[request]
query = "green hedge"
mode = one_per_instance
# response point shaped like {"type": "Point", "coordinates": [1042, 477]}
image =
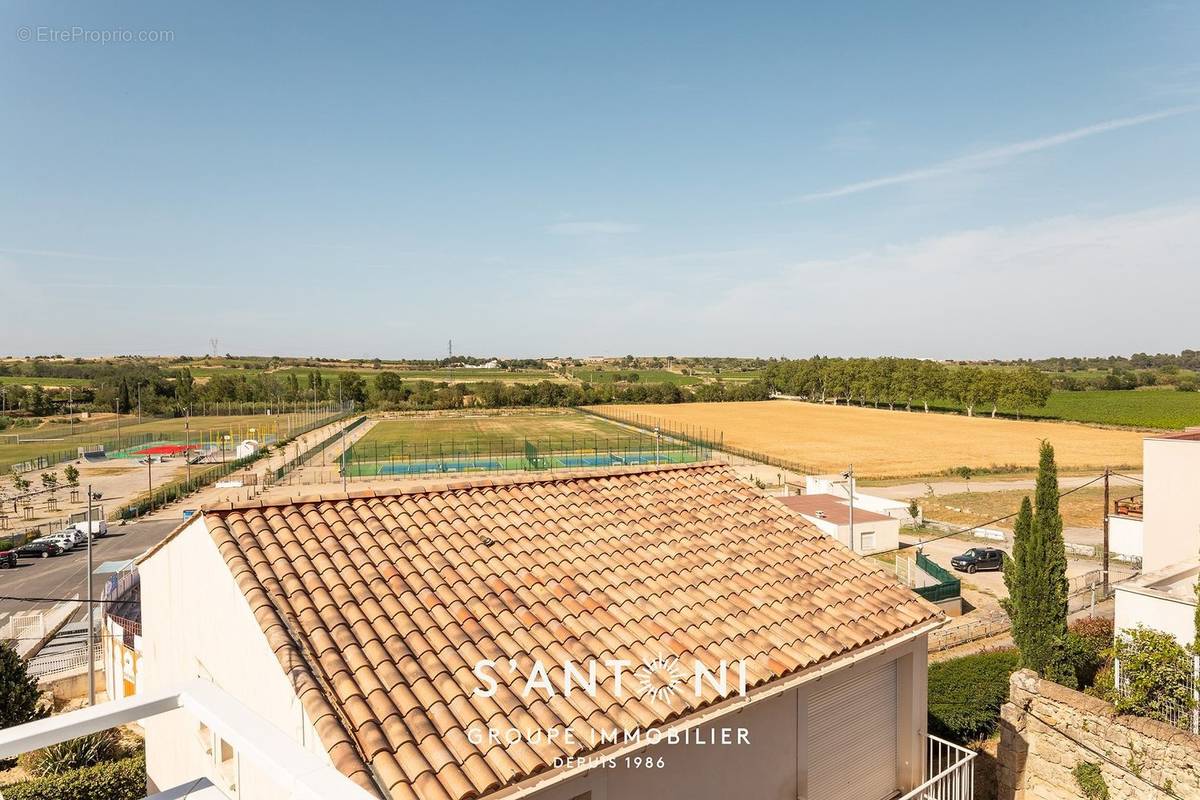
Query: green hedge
{"type": "Point", "coordinates": [965, 694]}
{"type": "Point", "coordinates": [112, 780]}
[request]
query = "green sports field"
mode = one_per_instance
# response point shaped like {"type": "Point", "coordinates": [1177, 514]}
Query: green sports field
{"type": "Point", "coordinates": [464, 443]}
{"type": "Point", "coordinates": [61, 442]}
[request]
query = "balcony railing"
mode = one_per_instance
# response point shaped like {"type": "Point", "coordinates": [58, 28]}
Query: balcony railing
{"type": "Point", "coordinates": [951, 771]}
{"type": "Point", "coordinates": [300, 775]}
{"type": "Point", "coordinates": [1128, 506]}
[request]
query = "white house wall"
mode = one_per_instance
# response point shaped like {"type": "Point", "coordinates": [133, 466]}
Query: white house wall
{"type": "Point", "coordinates": [1172, 502]}
{"type": "Point", "coordinates": [197, 623]}
{"type": "Point", "coordinates": [1157, 611]}
{"type": "Point", "coordinates": [1125, 537]}
{"type": "Point", "coordinates": [775, 764]}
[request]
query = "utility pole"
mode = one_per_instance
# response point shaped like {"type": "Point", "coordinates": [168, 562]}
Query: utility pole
{"type": "Point", "coordinates": [187, 442]}
{"type": "Point", "coordinates": [91, 635]}
{"type": "Point", "coordinates": [1104, 558]}
{"type": "Point", "coordinates": [150, 478]}
{"type": "Point", "coordinates": [850, 486]}
{"type": "Point", "coordinates": [344, 489]}
{"type": "Point", "coordinates": [657, 440]}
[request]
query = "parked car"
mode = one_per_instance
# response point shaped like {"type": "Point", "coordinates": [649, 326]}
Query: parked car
{"type": "Point", "coordinates": [979, 558]}
{"type": "Point", "coordinates": [39, 549]}
{"type": "Point", "coordinates": [64, 540]}
{"type": "Point", "coordinates": [8, 558]}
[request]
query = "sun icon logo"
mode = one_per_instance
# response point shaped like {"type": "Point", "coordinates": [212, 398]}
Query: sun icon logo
{"type": "Point", "coordinates": [660, 678]}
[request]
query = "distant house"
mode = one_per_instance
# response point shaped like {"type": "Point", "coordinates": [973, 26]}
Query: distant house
{"type": "Point", "coordinates": [831, 515]}
{"type": "Point", "coordinates": [836, 485]}
{"type": "Point", "coordinates": [423, 642]}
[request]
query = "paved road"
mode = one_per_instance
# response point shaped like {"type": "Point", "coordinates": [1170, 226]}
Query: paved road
{"type": "Point", "coordinates": [63, 576]}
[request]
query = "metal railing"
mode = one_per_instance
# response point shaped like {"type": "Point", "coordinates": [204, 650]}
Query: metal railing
{"type": "Point", "coordinates": [951, 771]}
{"type": "Point", "coordinates": [1182, 712]}
{"type": "Point", "coordinates": [67, 662]}
{"type": "Point", "coordinates": [298, 774]}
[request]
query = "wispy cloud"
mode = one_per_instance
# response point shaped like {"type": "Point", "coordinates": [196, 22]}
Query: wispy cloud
{"type": "Point", "coordinates": [595, 227]}
{"type": "Point", "coordinates": [852, 137]}
{"type": "Point", "coordinates": [59, 254]}
{"type": "Point", "coordinates": [996, 156]}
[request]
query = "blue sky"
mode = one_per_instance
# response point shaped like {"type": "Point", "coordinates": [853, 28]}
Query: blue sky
{"type": "Point", "coordinates": [926, 179]}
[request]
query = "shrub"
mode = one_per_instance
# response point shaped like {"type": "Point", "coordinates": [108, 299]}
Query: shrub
{"type": "Point", "coordinates": [1089, 647]}
{"type": "Point", "coordinates": [1090, 780]}
{"type": "Point", "coordinates": [84, 751]}
{"type": "Point", "coordinates": [1154, 672]}
{"type": "Point", "coordinates": [965, 694]}
{"type": "Point", "coordinates": [1103, 684]}
{"type": "Point", "coordinates": [112, 780]}
{"type": "Point", "coordinates": [18, 689]}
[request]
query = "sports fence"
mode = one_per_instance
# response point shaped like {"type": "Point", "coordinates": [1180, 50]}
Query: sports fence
{"type": "Point", "coordinates": [699, 436]}
{"type": "Point", "coordinates": [303, 458]}
{"type": "Point", "coordinates": [178, 489]}
{"type": "Point", "coordinates": [372, 458]}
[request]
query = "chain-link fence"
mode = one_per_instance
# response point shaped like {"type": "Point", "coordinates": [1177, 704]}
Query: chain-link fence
{"type": "Point", "coordinates": [375, 458]}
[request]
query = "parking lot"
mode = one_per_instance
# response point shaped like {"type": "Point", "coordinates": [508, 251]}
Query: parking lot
{"type": "Point", "coordinates": [63, 576]}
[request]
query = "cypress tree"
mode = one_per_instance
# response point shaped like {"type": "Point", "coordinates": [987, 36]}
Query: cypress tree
{"type": "Point", "coordinates": [1037, 578]}
{"type": "Point", "coordinates": [1016, 570]}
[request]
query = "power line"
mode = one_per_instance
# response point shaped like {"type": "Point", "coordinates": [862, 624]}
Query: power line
{"type": "Point", "coordinates": [65, 600]}
{"type": "Point", "coordinates": [1061, 495]}
{"type": "Point", "coordinates": [1101, 755]}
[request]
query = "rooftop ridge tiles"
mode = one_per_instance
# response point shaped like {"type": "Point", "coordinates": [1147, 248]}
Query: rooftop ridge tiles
{"type": "Point", "coordinates": [499, 482]}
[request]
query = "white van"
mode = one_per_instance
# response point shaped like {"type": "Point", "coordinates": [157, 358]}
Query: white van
{"type": "Point", "coordinates": [99, 527]}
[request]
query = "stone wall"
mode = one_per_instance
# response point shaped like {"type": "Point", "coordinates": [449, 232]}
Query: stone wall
{"type": "Point", "coordinates": [1047, 729]}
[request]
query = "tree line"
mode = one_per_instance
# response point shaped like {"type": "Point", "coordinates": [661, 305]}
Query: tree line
{"type": "Point", "coordinates": [907, 382]}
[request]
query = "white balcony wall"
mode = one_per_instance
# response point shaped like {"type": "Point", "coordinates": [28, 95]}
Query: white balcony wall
{"type": "Point", "coordinates": [197, 624]}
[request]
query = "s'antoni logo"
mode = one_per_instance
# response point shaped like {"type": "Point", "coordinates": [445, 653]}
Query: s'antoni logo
{"type": "Point", "coordinates": [658, 679]}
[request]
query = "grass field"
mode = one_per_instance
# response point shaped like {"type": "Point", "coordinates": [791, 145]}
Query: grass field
{"type": "Point", "coordinates": [1080, 509]}
{"type": "Point", "coordinates": [51, 441]}
{"type": "Point", "coordinates": [25, 380]}
{"type": "Point", "coordinates": [889, 444]}
{"type": "Point", "coordinates": [1144, 408]}
{"type": "Point", "coordinates": [532, 440]}
{"type": "Point", "coordinates": [495, 430]}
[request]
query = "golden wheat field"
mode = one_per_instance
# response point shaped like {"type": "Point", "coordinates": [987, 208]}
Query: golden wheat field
{"type": "Point", "coordinates": [893, 444]}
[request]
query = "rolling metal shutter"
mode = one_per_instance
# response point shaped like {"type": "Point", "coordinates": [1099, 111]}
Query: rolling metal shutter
{"type": "Point", "coordinates": [852, 738]}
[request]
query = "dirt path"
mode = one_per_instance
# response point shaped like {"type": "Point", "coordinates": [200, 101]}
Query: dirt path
{"type": "Point", "coordinates": [907, 491]}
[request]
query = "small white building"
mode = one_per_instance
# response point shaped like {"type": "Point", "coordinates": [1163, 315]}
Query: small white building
{"type": "Point", "coordinates": [246, 448]}
{"type": "Point", "coordinates": [872, 532]}
{"type": "Point", "coordinates": [1126, 529]}
{"type": "Point", "coordinates": [837, 486]}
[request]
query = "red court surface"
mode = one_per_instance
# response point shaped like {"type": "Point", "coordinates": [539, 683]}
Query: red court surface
{"type": "Point", "coordinates": [166, 449]}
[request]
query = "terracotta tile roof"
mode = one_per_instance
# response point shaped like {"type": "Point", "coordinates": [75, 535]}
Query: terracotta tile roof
{"type": "Point", "coordinates": [379, 605]}
{"type": "Point", "coordinates": [836, 509]}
